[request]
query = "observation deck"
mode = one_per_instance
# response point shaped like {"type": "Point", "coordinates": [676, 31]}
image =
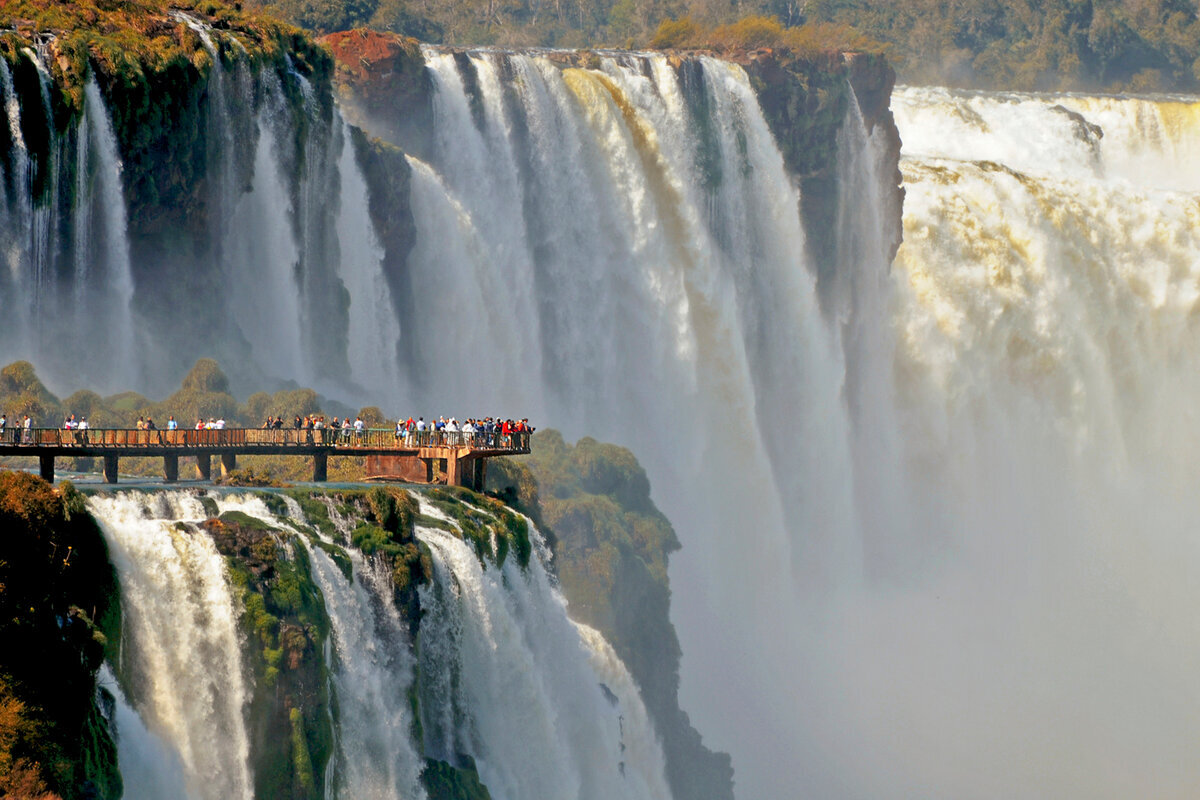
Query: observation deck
{"type": "Point", "coordinates": [457, 459]}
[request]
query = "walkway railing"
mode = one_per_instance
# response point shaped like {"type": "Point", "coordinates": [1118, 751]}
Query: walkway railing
{"type": "Point", "coordinates": [372, 438]}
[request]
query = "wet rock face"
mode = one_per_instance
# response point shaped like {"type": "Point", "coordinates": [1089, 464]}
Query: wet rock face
{"type": "Point", "coordinates": [805, 103]}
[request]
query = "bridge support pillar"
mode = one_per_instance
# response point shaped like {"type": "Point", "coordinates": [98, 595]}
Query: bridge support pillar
{"type": "Point", "coordinates": [228, 463]}
{"type": "Point", "coordinates": [110, 468]}
{"type": "Point", "coordinates": [204, 466]}
{"type": "Point", "coordinates": [477, 472]}
{"type": "Point", "coordinates": [46, 463]}
{"type": "Point", "coordinates": [320, 467]}
{"type": "Point", "coordinates": [429, 470]}
{"type": "Point", "coordinates": [170, 468]}
{"type": "Point", "coordinates": [454, 472]}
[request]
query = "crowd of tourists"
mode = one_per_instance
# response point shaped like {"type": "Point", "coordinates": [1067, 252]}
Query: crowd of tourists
{"type": "Point", "coordinates": [491, 432]}
{"type": "Point", "coordinates": [486, 432]}
{"type": "Point", "coordinates": [16, 431]}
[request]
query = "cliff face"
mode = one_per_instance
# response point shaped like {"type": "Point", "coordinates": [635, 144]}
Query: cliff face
{"type": "Point", "coordinates": [805, 103]}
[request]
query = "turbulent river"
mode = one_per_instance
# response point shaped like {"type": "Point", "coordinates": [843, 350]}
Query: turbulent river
{"type": "Point", "coordinates": [937, 516]}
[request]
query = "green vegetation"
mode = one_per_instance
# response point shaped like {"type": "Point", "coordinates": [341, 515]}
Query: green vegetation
{"type": "Point", "coordinates": [480, 520]}
{"type": "Point", "coordinates": [137, 46]}
{"type": "Point", "coordinates": [1113, 45]}
{"type": "Point", "coordinates": [810, 41]}
{"type": "Point", "coordinates": [59, 611]}
{"type": "Point", "coordinates": [283, 615]}
{"type": "Point", "coordinates": [445, 782]}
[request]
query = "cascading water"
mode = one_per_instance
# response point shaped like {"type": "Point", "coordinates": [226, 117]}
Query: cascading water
{"type": "Point", "coordinates": [674, 314]}
{"type": "Point", "coordinates": [181, 653]}
{"type": "Point", "coordinates": [942, 520]}
{"type": "Point", "coordinates": [17, 284]}
{"type": "Point", "coordinates": [506, 674]}
{"type": "Point", "coordinates": [513, 683]}
{"type": "Point", "coordinates": [928, 495]}
{"type": "Point", "coordinates": [112, 284]}
{"type": "Point", "coordinates": [371, 680]}
{"type": "Point", "coordinates": [150, 769]}
{"type": "Point", "coordinates": [374, 333]}
{"type": "Point", "coordinates": [1030, 625]}
{"type": "Point", "coordinates": [66, 249]}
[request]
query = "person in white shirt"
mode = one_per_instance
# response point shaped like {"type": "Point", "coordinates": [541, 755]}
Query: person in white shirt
{"type": "Point", "coordinates": [220, 424]}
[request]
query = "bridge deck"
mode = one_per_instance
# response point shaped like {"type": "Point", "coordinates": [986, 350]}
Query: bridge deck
{"type": "Point", "coordinates": [428, 446]}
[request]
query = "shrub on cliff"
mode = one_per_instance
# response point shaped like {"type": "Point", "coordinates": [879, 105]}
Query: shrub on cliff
{"type": "Point", "coordinates": [58, 610]}
{"type": "Point", "coordinates": [808, 41]}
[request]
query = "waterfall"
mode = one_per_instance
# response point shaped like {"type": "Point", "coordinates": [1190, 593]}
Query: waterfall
{"type": "Point", "coordinates": [150, 769]}
{"type": "Point", "coordinates": [18, 285]}
{"type": "Point", "coordinates": [374, 332]}
{"type": "Point", "coordinates": [261, 244]}
{"type": "Point", "coordinates": [675, 314]}
{"type": "Point", "coordinates": [506, 674]}
{"type": "Point", "coordinates": [111, 287]}
{"type": "Point", "coordinates": [180, 652]}
{"type": "Point", "coordinates": [371, 682]}
{"type": "Point", "coordinates": [1023, 610]}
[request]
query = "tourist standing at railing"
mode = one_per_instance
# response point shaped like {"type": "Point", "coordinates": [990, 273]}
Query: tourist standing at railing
{"type": "Point", "coordinates": [28, 425]}
{"type": "Point", "coordinates": [3, 427]}
{"type": "Point", "coordinates": [172, 425]}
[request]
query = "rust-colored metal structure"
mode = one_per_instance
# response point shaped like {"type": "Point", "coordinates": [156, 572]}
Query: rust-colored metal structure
{"type": "Point", "coordinates": [457, 459]}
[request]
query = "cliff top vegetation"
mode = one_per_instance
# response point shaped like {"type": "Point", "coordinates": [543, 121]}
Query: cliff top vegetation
{"type": "Point", "coordinates": [135, 41]}
{"type": "Point", "coordinates": [1111, 45]}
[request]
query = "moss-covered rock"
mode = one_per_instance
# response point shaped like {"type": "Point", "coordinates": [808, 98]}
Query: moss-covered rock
{"type": "Point", "coordinates": [286, 626]}
{"type": "Point", "coordinates": [445, 782]}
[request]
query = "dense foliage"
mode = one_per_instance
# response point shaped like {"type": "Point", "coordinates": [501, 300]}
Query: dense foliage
{"type": "Point", "coordinates": [58, 612]}
{"type": "Point", "coordinates": [1139, 45]}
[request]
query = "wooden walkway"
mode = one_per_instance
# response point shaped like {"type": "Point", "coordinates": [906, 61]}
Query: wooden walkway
{"type": "Point", "coordinates": [454, 458]}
